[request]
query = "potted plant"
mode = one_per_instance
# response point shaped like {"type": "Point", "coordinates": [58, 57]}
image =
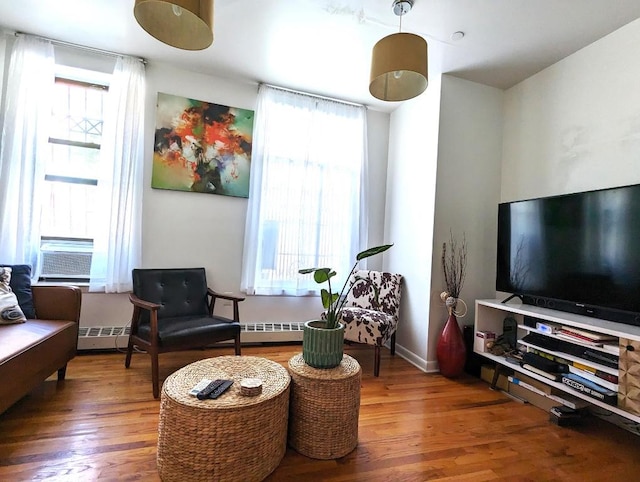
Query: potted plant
{"type": "Point", "coordinates": [322, 340]}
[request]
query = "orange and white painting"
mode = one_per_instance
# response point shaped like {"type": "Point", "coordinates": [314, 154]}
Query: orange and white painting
{"type": "Point", "coordinates": [201, 147]}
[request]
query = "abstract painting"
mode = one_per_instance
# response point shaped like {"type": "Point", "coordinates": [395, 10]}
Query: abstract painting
{"type": "Point", "coordinates": [201, 147]}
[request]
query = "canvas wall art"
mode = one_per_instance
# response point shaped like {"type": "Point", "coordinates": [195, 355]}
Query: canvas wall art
{"type": "Point", "coordinates": [201, 147]}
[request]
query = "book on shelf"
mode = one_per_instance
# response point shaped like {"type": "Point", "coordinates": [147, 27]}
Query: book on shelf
{"type": "Point", "coordinates": [569, 400]}
{"type": "Point", "coordinates": [528, 386]}
{"type": "Point", "coordinates": [555, 358]}
{"type": "Point", "coordinates": [592, 377]}
{"type": "Point", "coordinates": [611, 347]}
{"type": "Point", "coordinates": [540, 385]}
{"type": "Point", "coordinates": [551, 376]}
{"type": "Point", "coordinates": [599, 373]}
{"type": "Point", "coordinates": [589, 335]}
{"type": "Point", "coordinates": [541, 388]}
{"type": "Point", "coordinates": [575, 339]}
{"type": "Point", "coordinates": [589, 388]}
{"type": "Point", "coordinates": [593, 354]}
{"type": "Point", "coordinates": [544, 363]}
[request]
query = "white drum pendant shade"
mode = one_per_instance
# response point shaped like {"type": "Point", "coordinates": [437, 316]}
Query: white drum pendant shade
{"type": "Point", "coordinates": [184, 24]}
{"type": "Point", "coordinates": [399, 67]}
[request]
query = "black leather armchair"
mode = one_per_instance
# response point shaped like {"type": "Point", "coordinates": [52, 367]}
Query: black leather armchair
{"type": "Point", "coordinates": [173, 310]}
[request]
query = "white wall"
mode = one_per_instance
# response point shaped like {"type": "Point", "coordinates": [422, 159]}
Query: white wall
{"type": "Point", "coordinates": [413, 150]}
{"type": "Point", "coordinates": [575, 126]}
{"type": "Point", "coordinates": [444, 162]}
{"type": "Point", "coordinates": [467, 194]}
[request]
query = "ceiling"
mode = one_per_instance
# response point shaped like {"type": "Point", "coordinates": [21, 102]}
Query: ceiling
{"type": "Point", "coordinates": [324, 46]}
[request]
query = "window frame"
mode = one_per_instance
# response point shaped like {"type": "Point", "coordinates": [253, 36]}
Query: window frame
{"type": "Point", "coordinates": [67, 245]}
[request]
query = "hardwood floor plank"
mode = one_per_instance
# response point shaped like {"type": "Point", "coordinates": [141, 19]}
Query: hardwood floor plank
{"type": "Point", "coordinates": [101, 424]}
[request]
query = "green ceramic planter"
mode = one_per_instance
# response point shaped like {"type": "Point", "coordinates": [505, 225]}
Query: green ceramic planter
{"type": "Point", "coordinates": [322, 347]}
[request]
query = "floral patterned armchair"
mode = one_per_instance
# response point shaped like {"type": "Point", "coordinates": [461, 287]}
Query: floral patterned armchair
{"type": "Point", "coordinates": [370, 314]}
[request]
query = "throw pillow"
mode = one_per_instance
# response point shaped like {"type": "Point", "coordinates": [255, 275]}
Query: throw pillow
{"type": "Point", "coordinates": [10, 311]}
{"type": "Point", "coordinates": [21, 287]}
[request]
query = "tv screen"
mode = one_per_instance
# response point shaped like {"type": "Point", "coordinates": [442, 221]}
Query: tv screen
{"type": "Point", "coordinates": [577, 252]}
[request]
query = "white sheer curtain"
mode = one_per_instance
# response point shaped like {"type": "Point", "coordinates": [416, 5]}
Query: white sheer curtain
{"type": "Point", "coordinates": [306, 202]}
{"type": "Point", "coordinates": [117, 246]}
{"type": "Point", "coordinates": [23, 149]}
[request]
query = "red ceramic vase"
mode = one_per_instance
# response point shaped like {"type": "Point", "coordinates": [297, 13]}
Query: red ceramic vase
{"type": "Point", "coordinates": [451, 352]}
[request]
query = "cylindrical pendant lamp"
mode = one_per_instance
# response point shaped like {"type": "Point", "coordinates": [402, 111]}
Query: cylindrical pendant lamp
{"type": "Point", "coordinates": [184, 24]}
{"type": "Point", "coordinates": [399, 62]}
{"type": "Point", "coordinates": [399, 67]}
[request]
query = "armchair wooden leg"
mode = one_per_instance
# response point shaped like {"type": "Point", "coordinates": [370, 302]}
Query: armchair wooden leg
{"type": "Point", "coordinates": [393, 343]}
{"type": "Point", "coordinates": [127, 360]}
{"type": "Point", "coordinates": [376, 361]}
{"type": "Point", "coordinates": [62, 372]}
{"type": "Point", "coordinates": [237, 344]}
{"type": "Point", "coordinates": [154, 374]}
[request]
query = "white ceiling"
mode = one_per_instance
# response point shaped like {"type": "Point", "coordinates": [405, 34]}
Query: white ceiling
{"type": "Point", "coordinates": [324, 46]}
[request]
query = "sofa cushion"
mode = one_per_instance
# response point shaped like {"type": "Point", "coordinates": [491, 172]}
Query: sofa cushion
{"type": "Point", "coordinates": [30, 352]}
{"type": "Point", "coordinates": [21, 286]}
{"type": "Point", "coordinates": [15, 340]}
{"type": "Point", "coordinates": [10, 311]}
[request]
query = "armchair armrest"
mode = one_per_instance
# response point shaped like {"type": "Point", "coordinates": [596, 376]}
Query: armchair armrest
{"type": "Point", "coordinates": [236, 299]}
{"type": "Point", "coordinates": [61, 302]}
{"type": "Point", "coordinates": [140, 304]}
{"type": "Point", "coordinates": [145, 305]}
{"type": "Point", "coordinates": [225, 296]}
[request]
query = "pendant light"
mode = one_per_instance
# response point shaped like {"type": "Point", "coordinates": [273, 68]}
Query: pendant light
{"type": "Point", "coordinates": [184, 24]}
{"type": "Point", "coordinates": [399, 62]}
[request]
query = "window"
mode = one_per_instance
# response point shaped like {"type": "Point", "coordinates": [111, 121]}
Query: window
{"type": "Point", "coordinates": [68, 219]}
{"type": "Point", "coordinates": [306, 194]}
{"type": "Point", "coordinates": [86, 193]}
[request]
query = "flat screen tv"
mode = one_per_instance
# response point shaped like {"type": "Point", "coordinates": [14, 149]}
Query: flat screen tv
{"type": "Point", "coordinates": [578, 253]}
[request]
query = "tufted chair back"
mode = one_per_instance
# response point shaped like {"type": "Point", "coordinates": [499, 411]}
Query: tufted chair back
{"type": "Point", "coordinates": [180, 292]}
{"type": "Point", "coordinates": [375, 290]}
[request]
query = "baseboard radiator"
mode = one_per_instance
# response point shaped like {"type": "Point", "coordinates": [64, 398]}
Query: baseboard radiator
{"type": "Point", "coordinates": [116, 337]}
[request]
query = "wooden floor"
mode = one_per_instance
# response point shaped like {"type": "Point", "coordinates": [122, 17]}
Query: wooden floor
{"type": "Point", "coordinates": [101, 424]}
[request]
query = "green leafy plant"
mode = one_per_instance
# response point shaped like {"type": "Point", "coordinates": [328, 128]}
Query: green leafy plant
{"type": "Point", "coordinates": [334, 302]}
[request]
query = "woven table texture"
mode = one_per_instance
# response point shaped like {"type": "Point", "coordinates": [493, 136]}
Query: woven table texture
{"type": "Point", "coordinates": [325, 405]}
{"type": "Point", "coordinates": [231, 438]}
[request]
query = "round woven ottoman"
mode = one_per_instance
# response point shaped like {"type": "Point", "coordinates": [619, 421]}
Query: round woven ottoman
{"type": "Point", "coordinates": [325, 403]}
{"type": "Point", "coordinates": [233, 437]}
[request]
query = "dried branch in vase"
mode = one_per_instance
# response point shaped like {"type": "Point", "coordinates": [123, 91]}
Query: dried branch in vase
{"type": "Point", "coordinates": [454, 265]}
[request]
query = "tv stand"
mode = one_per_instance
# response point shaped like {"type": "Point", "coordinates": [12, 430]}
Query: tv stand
{"type": "Point", "coordinates": [506, 300]}
{"type": "Point", "coordinates": [489, 317]}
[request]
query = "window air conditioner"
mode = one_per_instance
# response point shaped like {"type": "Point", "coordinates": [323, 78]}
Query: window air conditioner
{"type": "Point", "coordinates": [69, 259]}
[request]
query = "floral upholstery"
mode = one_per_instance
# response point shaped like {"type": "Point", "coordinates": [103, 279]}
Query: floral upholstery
{"type": "Point", "coordinates": [371, 311]}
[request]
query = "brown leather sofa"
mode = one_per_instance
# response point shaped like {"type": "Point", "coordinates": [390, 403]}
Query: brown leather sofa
{"type": "Point", "coordinates": [32, 351]}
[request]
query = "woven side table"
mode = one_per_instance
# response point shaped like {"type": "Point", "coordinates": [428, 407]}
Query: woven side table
{"type": "Point", "coordinates": [231, 438]}
{"type": "Point", "coordinates": [325, 404]}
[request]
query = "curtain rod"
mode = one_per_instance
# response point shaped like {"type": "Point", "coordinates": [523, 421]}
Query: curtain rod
{"type": "Point", "coordinates": [62, 43]}
{"type": "Point", "coordinates": [314, 95]}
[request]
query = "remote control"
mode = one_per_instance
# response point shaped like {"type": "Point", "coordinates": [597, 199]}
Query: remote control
{"type": "Point", "coordinates": [206, 391]}
{"type": "Point", "coordinates": [201, 384]}
{"type": "Point", "coordinates": [220, 389]}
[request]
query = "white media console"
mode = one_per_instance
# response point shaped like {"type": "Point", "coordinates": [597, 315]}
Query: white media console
{"type": "Point", "coordinates": [490, 315]}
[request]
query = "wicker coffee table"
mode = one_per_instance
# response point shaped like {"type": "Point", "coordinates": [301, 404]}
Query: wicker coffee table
{"type": "Point", "coordinates": [233, 437]}
{"type": "Point", "coordinates": [325, 404]}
